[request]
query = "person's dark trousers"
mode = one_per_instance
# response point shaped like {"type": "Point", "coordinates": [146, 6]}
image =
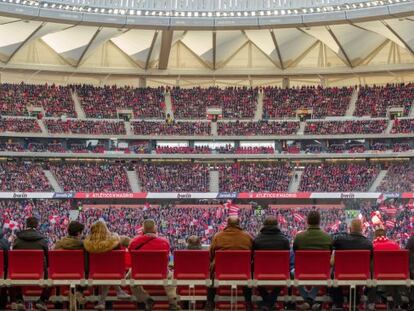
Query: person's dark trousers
{"type": "Point", "coordinates": [3, 298]}
{"type": "Point", "coordinates": [269, 295]}
{"type": "Point", "coordinates": [247, 293]}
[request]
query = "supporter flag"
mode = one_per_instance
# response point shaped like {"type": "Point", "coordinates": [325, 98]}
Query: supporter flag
{"type": "Point", "coordinates": [53, 219]}
{"type": "Point", "coordinates": [11, 224]}
{"type": "Point", "coordinates": [366, 224]}
{"type": "Point", "coordinates": [390, 224]}
{"type": "Point", "coordinates": [298, 217]}
{"type": "Point", "coordinates": [233, 209]}
{"type": "Point", "coordinates": [219, 213]}
{"type": "Point", "coordinates": [146, 206]}
{"type": "Point", "coordinates": [376, 218]}
{"type": "Point", "coordinates": [380, 199]}
{"type": "Point", "coordinates": [209, 230]}
{"type": "Point", "coordinates": [281, 220]}
{"type": "Point", "coordinates": [139, 230]}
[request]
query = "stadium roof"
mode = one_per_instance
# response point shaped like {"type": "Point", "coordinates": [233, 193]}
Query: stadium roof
{"type": "Point", "coordinates": [357, 46]}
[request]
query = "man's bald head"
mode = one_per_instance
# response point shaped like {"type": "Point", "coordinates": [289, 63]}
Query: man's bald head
{"type": "Point", "coordinates": [149, 226]}
{"type": "Point", "coordinates": [270, 221]}
{"type": "Point", "coordinates": [233, 221]}
{"type": "Point", "coordinates": [356, 226]}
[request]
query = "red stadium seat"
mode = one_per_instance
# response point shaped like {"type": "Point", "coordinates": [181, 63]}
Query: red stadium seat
{"type": "Point", "coordinates": [233, 265]}
{"type": "Point", "coordinates": [149, 265]}
{"type": "Point", "coordinates": [26, 264]}
{"type": "Point", "coordinates": [271, 265]}
{"type": "Point", "coordinates": [353, 265]}
{"type": "Point", "coordinates": [66, 265]}
{"type": "Point", "coordinates": [107, 266]}
{"type": "Point", "coordinates": [191, 265]}
{"type": "Point", "coordinates": [391, 265]}
{"type": "Point", "coordinates": [312, 265]}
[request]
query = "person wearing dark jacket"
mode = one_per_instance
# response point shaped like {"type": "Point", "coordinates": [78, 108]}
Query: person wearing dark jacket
{"type": "Point", "coordinates": [73, 240]}
{"type": "Point", "coordinates": [355, 240]}
{"type": "Point", "coordinates": [30, 239]}
{"type": "Point", "coordinates": [4, 246]}
{"type": "Point", "coordinates": [270, 238]}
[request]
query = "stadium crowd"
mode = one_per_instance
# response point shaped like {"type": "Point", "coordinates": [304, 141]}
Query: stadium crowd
{"type": "Point", "coordinates": [174, 128]}
{"type": "Point", "coordinates": [404, 126]}
{"type": "Point", "coordinates": [104, 102]}
{"type": "Point", "coordinates": [91, 177]}
{"type": "Point", "coordinates": [375, 101]}
{"type": "Point", "coordinates": [23, 176]}
{"type": "Point", "coordinates": [399, 178]}
{"type": "Point", "coordinates": [238, 128]}
{"type": "Point", "coordinates": [179, 177]}
{"type": "Point", "coordinates": [100, 127]}
{"type": "Point", "coordinates": [16, 99]}
{"type": "Point", "coordinates": [341, 177]}
{"type": "Point", "coordinates": [236, 102]}
{"type": "Point", "coordinates": [19, 125]}
{"type": "Point", "coordinates": [191, 226]}
{"type": "Point", "coordinates": [281, 102]}
{"type": "Point", "coordinates": [346, 127]}
{"type": "Point", "coordinates": [255, 177]}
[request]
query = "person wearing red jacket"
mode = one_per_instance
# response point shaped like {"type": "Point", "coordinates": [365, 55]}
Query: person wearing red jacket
{"type": "Point", "coordinates": [149, 240]}
{"type": "Point", "coordinates": [382, 243]}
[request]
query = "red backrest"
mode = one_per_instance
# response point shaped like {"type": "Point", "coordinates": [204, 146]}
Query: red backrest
{"type": "Point", "coordinates": [26, 264]}
{"type": "Point", "coordinates": [66, 264]}
{"type": "Point", "coordinates": [1, 264]}
{"type": "Point", "coordinates": [107, 266]}
{"type": "Point", "coordinates": [191, 265]}
{"type": "Point", "coordinates": [271, 265]}
{"type": "Point", "coordinates": [149, 265]}
{"type": "Point", "coordinates": [312, 265]}
{"type": "Point", "coordinates": [353, 265]}
{"type": "Point", "coordinates": [233, 265]}
{"type": "Point", "coordinates": [391, 265]}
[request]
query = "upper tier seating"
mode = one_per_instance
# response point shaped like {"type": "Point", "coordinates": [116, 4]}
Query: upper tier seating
{"type": "Point", "coordinates": [346, 127]}
{"type": "Point", "coordinates": [257, 128]}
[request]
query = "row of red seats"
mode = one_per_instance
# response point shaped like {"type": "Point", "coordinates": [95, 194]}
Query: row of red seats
{"type": "Point", "coordinates": [191, 265]}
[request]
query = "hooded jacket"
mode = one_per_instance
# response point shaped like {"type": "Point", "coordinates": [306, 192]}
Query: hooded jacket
{"type": "Point", "coordinates": [30, 239]}
{"type": "Point", "coordinates": [271, 238]}
{"type": "Point", "coordinates": [102, 246]}
{"type": "Point", "coordinates": [69, 243]}
{"type": "Point", "coordinates": [149, 241]}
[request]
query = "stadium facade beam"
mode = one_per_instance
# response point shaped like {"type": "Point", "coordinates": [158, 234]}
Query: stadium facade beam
{"type": "Point", "coordinates": [408, 47]}
{"type": "Point", "coordinates": [166, 42]}
{"type": "Point", "coordinates": [279, 55]}
{"type": "Point", "coordinates": [347, 59]}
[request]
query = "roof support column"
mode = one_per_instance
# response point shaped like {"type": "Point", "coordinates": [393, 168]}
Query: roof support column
{"type": "Point", "coordinates": [285, 83]}
{"type": "Point", "coordinates": [166, 42]}
{"type": "Point", "coordinates": [142, 82]}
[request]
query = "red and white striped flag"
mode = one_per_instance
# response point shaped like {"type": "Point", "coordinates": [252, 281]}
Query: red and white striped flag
{"type": "Point", "coordinates": [146, 206]}
{"type": "Point", "coordinates": [139, 230]}
{"type": "Point", "coordinates": [390, 224]}
{"type": "Point", "coordinates": [298, 217]}
{"type": "Point", "coordinates": [233, 209]}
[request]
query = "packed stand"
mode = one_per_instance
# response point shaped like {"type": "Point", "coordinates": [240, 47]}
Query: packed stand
{"type": "Point", "coordinates": [399, 178]}
{"type": "Point", "coordinates": [23, 176]}
{"type": "Point", "coordinates": [19, 125]}
{"type": "Point", "coordinates": [52, 214]}
{"type": "Point", "coordinates": [403, 126]}
{"type": "Point", "coordinates": [346, 127]}
{"type": "Point", "coordinates": [55, 100]}
{"type": "Point", "coordinates": [284, 102]}
{"type": "Point", "coordinates": [175, 128]}
{"type": "Point", "coordinates": [257, 128]}
{"type": "Point", "coordinates": [182, 150]}
{"type": "Point", "coordinates": [342, 177]}
{"type": "Point", "coordinates": [255, 177]}
{"type": "Point", "coordinates": [101, 127]}
{"type": "Point", "coordinates": [374, 101]}
{"type": "Point", "coordinates": [11, 147]}
{"type": "Point", "coordinates": [254, 150]}
{"type": "Point", "coordinates": [236, 102]}
{"type": "Point", "coordinates": [103, 102]}
{"type": "Point", "coordinates": [91, 177]}
{"type": "Point", "coordinates": [173, 177]}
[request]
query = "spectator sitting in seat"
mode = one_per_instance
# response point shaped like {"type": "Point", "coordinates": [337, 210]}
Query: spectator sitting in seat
{"type": "Point", "coordinates": [194, 243]}
{"type": "Point", "coordinates": [101, 240]}
{"type": "Point", "coordinates": [233, 237]}
{"type": "Point", "coordinates": [314, 238]}
{"type": "Point", "coordinates": [270, 238]}
{"type": "Point", "coordinates": [30, 239]}
{"type": "Point", "coordinates": [151, 241]}
{"type": "Point", "coordinates": [355, 240]}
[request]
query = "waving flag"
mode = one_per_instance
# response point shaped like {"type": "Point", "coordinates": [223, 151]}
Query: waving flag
{"type": "Point", "coordinates": [390, 224]}
{"type": "Point", "coordinates": [298, 217]}
{"type": "Point", "coordinates": [233, 209]}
